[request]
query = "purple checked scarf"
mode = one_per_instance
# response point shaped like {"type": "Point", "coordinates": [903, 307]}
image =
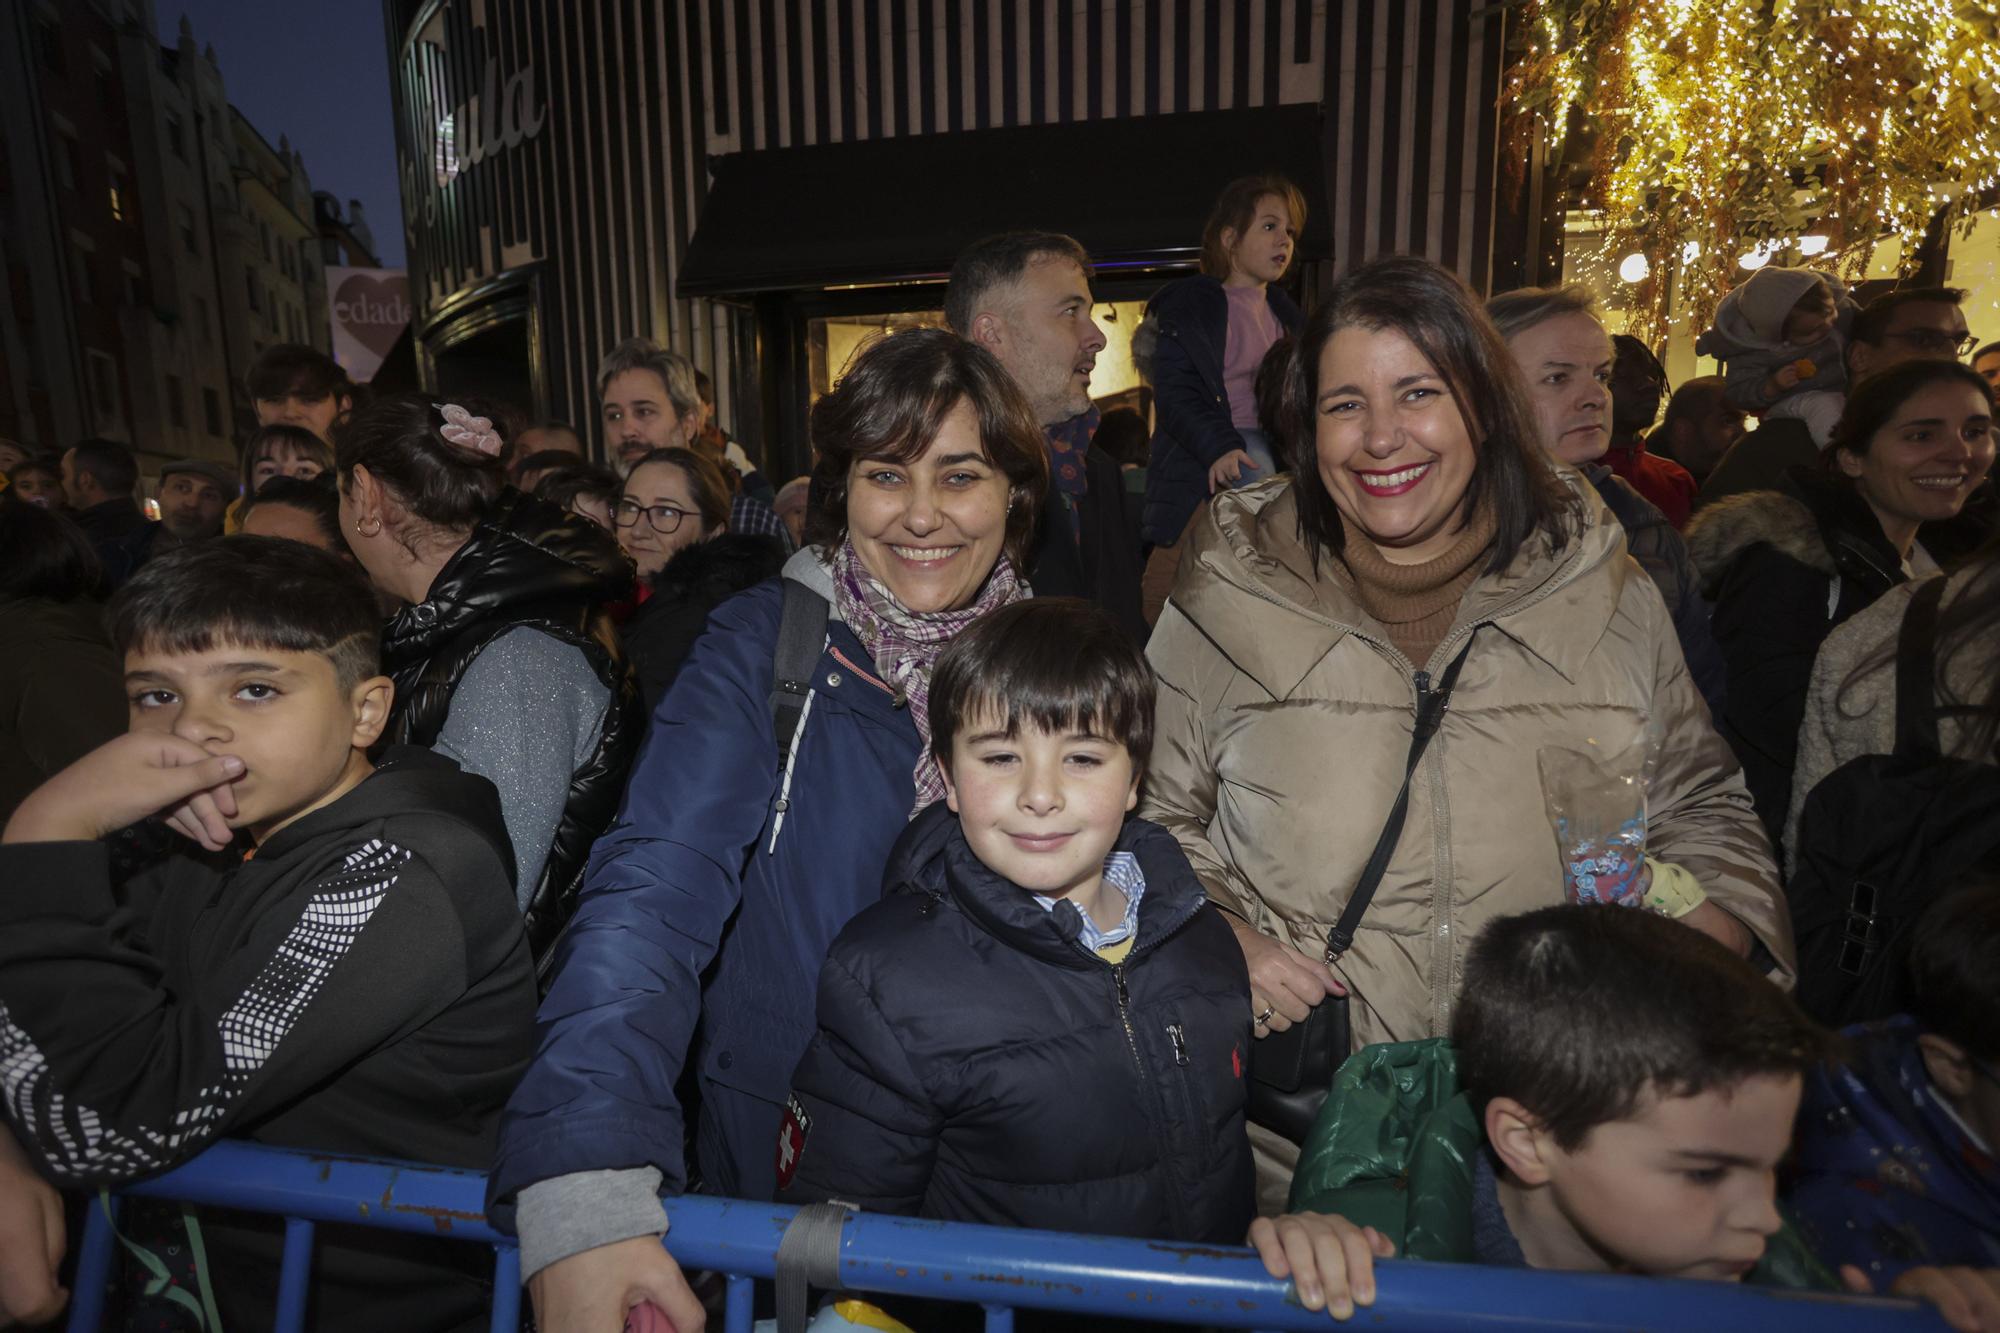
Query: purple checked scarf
{"type": "Point", "coordinates": [906, 644]}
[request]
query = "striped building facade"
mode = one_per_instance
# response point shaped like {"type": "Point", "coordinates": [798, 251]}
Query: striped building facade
{"type": "Point", "coordinates": [556, 154]}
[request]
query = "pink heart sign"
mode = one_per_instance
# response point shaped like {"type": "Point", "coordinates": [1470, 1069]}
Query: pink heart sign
{"type": "Point", "coordinates": [372, 310]}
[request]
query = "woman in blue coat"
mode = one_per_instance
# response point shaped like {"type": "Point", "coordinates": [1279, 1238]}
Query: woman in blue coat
{"type": "Point", "coordinates": [735, 861]}
{"type": "Point", "coordinates": [1204, 338]}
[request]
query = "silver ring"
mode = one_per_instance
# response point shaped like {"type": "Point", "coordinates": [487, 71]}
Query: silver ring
{"type": "Point", "coordinates": [1264, 1018]}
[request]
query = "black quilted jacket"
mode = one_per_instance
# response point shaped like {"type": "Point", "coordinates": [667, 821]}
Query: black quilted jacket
{"type": "Point", "coordinates": [975, 1063]}
{"type": "Point", "coordinates": [529, 564]}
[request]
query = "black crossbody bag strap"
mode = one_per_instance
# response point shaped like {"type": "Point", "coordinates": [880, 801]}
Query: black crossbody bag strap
{"type": "Point", "coordinates": [1916, 674]}
{"type": "Point", "coordinates": [1431, 705]}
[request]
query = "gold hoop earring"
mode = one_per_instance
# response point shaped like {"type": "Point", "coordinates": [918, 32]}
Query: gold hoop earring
{"type": "Point", "coordinates": [367, 531]}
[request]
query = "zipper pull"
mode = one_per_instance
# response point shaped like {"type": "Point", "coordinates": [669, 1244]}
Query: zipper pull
{"type": "Point", "coordinates": [1428, 716]}
{"type": "Point", "coordinates": [1118, 978]}
{"type": "Point", "coordinates": [1177, 1037]}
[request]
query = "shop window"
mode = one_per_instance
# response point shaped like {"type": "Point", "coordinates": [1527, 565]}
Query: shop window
{"type": "Point", "coordinates": [211, 408]}
{"type": "Point", "coordinates": [832, 341]}
{"type": "Point", "coordinates": [176, 408]}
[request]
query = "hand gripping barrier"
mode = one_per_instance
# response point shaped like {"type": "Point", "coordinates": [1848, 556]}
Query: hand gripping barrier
{"type": "Point", "coordinates": [999, 1268]}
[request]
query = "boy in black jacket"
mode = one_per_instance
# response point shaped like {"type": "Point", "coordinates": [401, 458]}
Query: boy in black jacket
{"type": "Point", "coordinates": [1043, 1023]}
{"type": "Point", "coordinates": [346, 971]}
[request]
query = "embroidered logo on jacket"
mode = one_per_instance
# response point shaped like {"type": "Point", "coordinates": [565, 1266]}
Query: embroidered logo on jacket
{"type": "Point", "coordinates": [792, 1133]}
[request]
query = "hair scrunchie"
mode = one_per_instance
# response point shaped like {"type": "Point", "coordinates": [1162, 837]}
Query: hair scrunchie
{"type": "Point", "coordinates": [468, 431]}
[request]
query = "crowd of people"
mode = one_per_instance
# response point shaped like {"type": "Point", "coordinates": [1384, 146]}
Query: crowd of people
{"type": "Point", "coordinates": [1212, 828]}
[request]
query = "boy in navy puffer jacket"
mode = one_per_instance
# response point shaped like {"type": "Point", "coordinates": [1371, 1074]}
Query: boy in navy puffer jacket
{"type": "Point", "coordinates": [1043, 1023]}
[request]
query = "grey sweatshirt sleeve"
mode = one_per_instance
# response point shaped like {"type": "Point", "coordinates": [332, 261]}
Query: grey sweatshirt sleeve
{"type": "Point", "coordinates": [526, 715]}
{"type": "Point", "coordinates": [570, 1214]}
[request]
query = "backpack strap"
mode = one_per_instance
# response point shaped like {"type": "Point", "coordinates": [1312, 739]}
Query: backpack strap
{"type": "Point", "coordinates": [1916, 674]}
{"type": "Point", "coordinates": [801, 636]}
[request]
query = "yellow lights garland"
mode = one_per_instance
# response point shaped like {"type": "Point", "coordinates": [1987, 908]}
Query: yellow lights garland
{"type": "Point", "coordinates": [1742, 125]}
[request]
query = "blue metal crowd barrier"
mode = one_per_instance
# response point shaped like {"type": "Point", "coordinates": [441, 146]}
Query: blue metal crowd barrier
{"type": "Point", "coordinates": [998, 1268]}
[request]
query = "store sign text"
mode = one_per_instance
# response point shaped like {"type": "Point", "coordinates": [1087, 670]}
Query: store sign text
{"type": "Point", "coordinates": [496, 121]}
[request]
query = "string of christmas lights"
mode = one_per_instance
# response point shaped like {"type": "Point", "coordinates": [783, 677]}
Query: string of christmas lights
{"type": "Point", "coordinates": [1728, 128]}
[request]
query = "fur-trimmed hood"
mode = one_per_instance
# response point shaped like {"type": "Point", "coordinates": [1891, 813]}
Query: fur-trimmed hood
{"type": "Point", "coordinates": [1822, 525]}
{"type": "Point", "coordinates": [712, 570]}
{"type": "Point", "coordinates": [1729, 527]}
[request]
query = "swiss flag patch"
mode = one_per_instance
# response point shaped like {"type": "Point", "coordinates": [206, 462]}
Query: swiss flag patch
{"type": "Point", "coordinates": [792, 1131]}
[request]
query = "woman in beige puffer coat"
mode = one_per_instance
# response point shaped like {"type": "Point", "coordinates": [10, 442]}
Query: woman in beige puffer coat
{"type": "Point", "coordinates": [1286, 705]}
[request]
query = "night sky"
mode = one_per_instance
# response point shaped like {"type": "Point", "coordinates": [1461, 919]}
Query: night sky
{"type": "Point", "coordinates": [318, 72]}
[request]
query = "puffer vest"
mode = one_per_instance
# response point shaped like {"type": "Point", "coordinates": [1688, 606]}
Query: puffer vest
{"type": "Point", "coordinates": [527, 565]}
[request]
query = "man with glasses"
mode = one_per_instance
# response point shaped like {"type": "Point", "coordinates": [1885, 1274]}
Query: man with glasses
{"type": "Point", "coordinates": [1916, 324]}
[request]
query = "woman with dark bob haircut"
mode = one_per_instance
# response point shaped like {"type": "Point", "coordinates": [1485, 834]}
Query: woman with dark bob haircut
{"type": "Point", "coordinates": [1422, 522]}
{"type": "Point", "coordinates": [737, 857]}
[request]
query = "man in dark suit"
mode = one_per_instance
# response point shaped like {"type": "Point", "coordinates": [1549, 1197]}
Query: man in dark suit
{"type": "Point", "coordinates": [1025, 297]}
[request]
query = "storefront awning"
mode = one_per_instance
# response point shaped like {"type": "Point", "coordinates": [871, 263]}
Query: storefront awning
{"type": "Point", "coordinates": [1135, 191]}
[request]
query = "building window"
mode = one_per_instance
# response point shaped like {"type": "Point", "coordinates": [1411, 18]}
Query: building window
{"type": "Point", "coordinates": [80, 274]}
{"type": "Point", "coordinates": [48, 39]}
{"type": "Point", "coordinates": [117, 194]}
{"type": "Point", "coordinates": [211, 408]}
{"type": "Point", "coordinates": [107, 404]}
{"type": "Point", "coordinates": [176, 409]}
{"type": "Point", "coordinates": [135, 290]}
{"type": "Point", "coordinates": [176, 136]}
{"type": "Point", "coordinates": [65, 156]}
{"type": "Point", "coordinates": [189, 241]}
{"type": "Point", "coordinates": [265, 229]}
{"type": "Point", "coordinates": [202, 321]}
{"type": "Point", "coordinates": [250, 285]}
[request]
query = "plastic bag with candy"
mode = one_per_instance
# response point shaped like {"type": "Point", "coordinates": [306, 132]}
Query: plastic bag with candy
{"type": "Point", "coordinates": [1596, 802]}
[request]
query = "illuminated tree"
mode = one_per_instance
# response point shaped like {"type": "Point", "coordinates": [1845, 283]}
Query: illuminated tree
{"type": "Point", "coordinates": [1725, 127]}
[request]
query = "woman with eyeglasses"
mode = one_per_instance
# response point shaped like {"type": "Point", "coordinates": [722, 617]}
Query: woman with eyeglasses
{"type": "Point", "coordinates": [672, 518]}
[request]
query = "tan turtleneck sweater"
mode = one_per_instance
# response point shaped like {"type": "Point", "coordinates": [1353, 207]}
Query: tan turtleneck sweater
{"type": "Point", "coordinates": [1417, 604]}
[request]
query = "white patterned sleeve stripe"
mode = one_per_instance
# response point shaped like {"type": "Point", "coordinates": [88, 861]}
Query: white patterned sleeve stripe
{"type": "Point", "coordinates": [74, 1139]}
